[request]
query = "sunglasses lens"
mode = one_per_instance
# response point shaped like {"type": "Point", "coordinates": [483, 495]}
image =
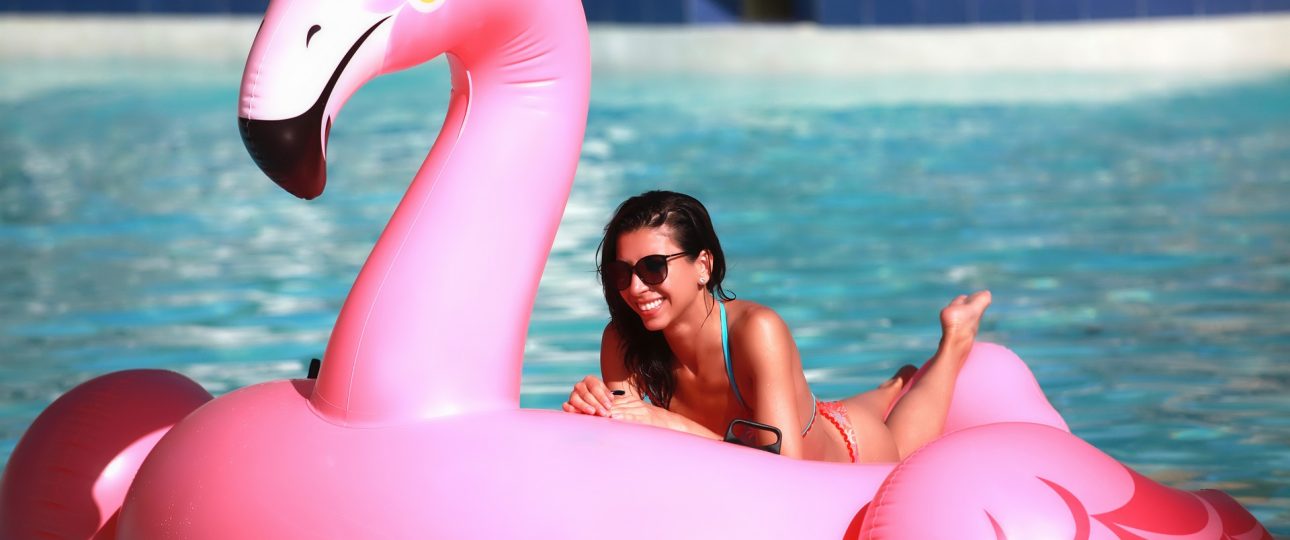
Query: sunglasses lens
{"type": "Point", "coordinates": [619, 274]}
{"type": "Point", "coordinates": [652, 269]}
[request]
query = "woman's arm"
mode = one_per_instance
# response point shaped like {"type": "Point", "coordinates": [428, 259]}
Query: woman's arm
{"type": "Point", "coordinates": [763, 351]}
{"type": "Point", "coordinates": [593, 396]}
{"type": "Point", "coordinates": [631, 406]}
{"type": "Point", "coordinates": [632, 409]}
{"type": "Point", "coordinates": [612, 365]}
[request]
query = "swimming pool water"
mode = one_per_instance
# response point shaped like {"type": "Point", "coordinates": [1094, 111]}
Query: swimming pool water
{"type": "Point", "coordinates": [1134, 232]}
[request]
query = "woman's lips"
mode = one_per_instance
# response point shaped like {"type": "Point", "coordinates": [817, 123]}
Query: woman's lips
{"type": "Point", "coordinates": [650, 306]}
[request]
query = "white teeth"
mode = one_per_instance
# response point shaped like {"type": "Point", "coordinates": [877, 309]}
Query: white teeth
{"type": "Point", "coordinates": [652, 305]}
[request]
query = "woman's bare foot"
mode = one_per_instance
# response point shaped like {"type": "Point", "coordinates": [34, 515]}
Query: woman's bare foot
{"type": "Point", "coordinates": [960, 321]}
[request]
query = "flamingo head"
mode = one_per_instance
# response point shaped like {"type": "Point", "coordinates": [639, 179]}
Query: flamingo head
{"type": "Point", "coordinates": [310, 56]}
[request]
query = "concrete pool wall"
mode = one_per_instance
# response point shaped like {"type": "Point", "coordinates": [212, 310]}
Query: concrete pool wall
{"type": "Point", "coordinates": [1210, 44]}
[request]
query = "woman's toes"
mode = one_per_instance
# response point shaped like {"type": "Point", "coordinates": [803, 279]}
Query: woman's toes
{"type": "Point", "coordinates": [905, 373]}
{"type": "Point", "coordinates": [900, 378]}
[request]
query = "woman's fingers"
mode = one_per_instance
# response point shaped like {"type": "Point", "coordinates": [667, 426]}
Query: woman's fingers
{"type": "Point", "coordinates": [571, 408]}
{"type": "Point", "coordinates": [592, 396]}
{"type": "Point", "coordinates": [585, 402]}
{"type": "Point", "coordinates": [631, 413]}
{"type": "Point", "coordinates": [581, 404]}
{"type": "Point", "coordinates": [606, 400]}
{"type": "Point", "coordinates": [597, 392]}
{"type": "Point", "coordinates": [577, 400]}
{"type": "Point", "coordinates": [633, 410]}
{"type": "Point", "coordinates": [589, 396]}
{"type": "Point", "coordinates": [623, 408]}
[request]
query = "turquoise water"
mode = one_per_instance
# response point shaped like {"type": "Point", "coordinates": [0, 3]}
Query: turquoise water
{"type": "Point", "coordinates": [1133, 230]}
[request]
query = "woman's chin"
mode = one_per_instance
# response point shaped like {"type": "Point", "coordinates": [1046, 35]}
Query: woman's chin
{"type": "Point", "coordinates": [652, 321]}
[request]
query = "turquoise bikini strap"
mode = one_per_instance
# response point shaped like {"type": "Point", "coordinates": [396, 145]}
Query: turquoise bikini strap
{"type": "Point", "coordinates": [730, 372]}
{"type": "Point", "coordinates": [725, 352]}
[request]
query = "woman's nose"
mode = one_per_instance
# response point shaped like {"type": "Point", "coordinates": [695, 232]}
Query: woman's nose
{"type": "Point", "coordinates": [637, 285]}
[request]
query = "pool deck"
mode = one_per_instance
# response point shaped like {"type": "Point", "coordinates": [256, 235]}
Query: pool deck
{"type": "Point", "coordinates": [1208, 44]}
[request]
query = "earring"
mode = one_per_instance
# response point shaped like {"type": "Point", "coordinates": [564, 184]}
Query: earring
{"type": "Point", "coordinates": [703, 281]}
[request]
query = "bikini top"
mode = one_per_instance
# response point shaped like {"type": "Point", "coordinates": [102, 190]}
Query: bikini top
{"type": "Point", "coordinates": [730, 371]}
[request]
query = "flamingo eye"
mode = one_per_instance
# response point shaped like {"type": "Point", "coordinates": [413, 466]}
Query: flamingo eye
{"type": "Point", "coordinates": [426, 5]}
{"type": "Point", "coordinates": [312, 30]}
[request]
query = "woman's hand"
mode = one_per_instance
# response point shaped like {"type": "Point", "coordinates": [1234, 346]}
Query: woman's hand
{"type": "Point", "coordinates": [962, 317]}
{"type": "Point", "coordinates": [630, 408]}
{"type": "Point", "coordinates": [589, 396]}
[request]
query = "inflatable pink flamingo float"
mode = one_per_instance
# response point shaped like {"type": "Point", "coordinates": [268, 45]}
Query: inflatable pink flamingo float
{"type": "Point", "coordinates": [413, 427]}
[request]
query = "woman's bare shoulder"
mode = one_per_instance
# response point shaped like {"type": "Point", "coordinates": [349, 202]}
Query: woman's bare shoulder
{"type": "Point", "coordinates": [612, 361]}
{"type": "Point", "coordinates": [762, 345]}
{"type": "Point", "coordinates": [610, 333]}
{"type": "Point", "coordinates": [756, 324]}
{"type": "Point", "coordinates": [611, 343]}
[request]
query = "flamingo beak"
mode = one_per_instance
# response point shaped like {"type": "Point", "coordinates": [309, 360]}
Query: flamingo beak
{"type": "Point", "coordinates": [293, 151]}
{"type": "Point", "coordinates": [289, 151]}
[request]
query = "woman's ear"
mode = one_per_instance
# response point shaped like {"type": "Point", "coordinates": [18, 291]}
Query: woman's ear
{"type": "Point", "coordinates": [704, 261]}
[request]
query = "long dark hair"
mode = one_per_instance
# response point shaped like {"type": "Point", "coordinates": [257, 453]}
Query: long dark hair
{"type": "Point", "coordinates": [646, 354]}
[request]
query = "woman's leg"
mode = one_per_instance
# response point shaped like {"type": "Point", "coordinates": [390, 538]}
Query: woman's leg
{"type": "Point", "coordinates": [919, 416]}
{"type": "Point", "coordinates": [879, 401]}
{"type": "Point", "coordinates": [865, 413]}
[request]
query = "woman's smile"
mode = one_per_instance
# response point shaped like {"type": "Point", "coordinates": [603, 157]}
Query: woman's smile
{"type": "Point", "coordinates": [651, 305]}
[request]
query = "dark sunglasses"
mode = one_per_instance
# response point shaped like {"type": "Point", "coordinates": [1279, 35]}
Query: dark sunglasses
{"type": "Point", "coordinates": [651, 269]}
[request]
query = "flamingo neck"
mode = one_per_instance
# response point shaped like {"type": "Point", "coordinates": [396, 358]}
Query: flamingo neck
{"type": "Point", "coordinates": [436, 321]}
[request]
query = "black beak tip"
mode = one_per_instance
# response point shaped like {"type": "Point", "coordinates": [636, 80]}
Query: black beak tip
{"type": "Point", "coordinates": [289, 152]}
{"type": "Point", "coordinates": [307, 196]}
{"type": "Point", "coordinates": [304, 188]}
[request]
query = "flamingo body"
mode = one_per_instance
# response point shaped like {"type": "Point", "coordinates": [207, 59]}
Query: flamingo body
{"type": "Point", "coordinates": [281, 472]}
